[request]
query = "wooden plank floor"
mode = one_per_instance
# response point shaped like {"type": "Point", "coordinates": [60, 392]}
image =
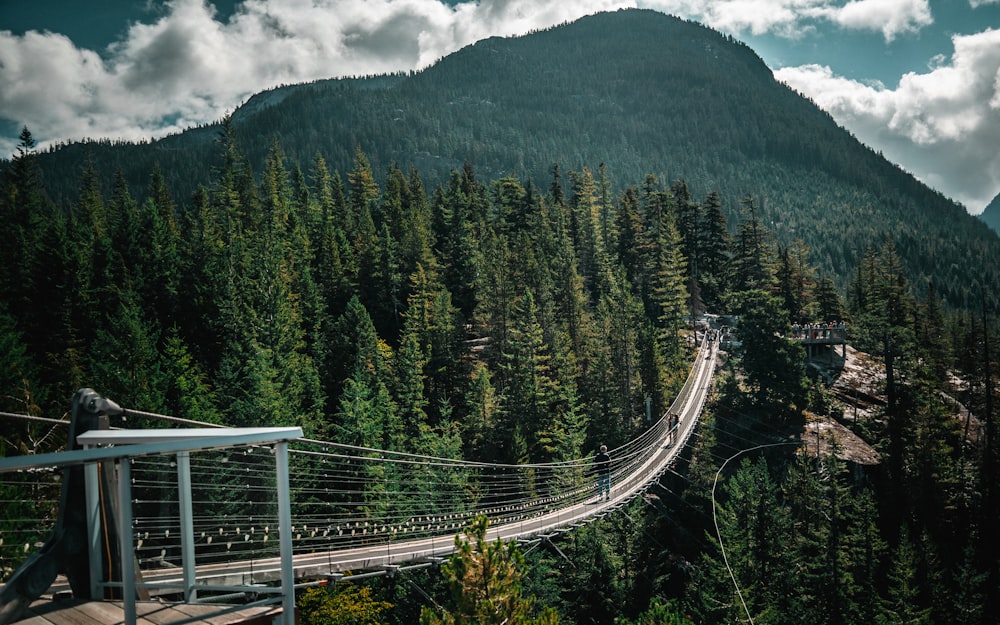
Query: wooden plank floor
{"type": "Point", "coordinates": [77, 612]}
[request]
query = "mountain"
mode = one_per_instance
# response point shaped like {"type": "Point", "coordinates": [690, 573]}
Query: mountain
{"type": "Point", "coordinates": [991, 216]}
{"type": "Point", "coordinates": [635, 90]}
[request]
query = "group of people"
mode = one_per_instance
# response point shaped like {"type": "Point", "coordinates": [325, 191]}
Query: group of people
{"type": "Point", "coordinates": [816, 330]}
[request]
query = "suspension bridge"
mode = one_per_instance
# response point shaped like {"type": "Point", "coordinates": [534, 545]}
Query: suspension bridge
{"type": "Point", "coordinates": [238, 518]}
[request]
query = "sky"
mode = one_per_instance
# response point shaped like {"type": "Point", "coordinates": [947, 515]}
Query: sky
{"type": "Point", "coordinates": [917, 80]}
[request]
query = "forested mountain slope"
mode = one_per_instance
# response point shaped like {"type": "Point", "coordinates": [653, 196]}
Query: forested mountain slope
{"type": "Point", "coordinates": [636, 90]}
{"type": "Point", "coordinates": [991, 216]}
{"type": "Point", "coordinates": [396, 263]}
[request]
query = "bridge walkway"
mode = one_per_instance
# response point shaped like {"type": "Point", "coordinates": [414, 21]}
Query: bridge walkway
{"type": "Point", "coordinates": [253, 507]}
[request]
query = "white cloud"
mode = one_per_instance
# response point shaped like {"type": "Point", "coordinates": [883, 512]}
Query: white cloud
{"type": "Point", "coordinates": [975, 4]}
{"type": "Point", "coordinates": [189, 67]}
{"type": "Point", "coordinates": [786, 18]}
{"type": "Point", "coordinates": [944, 125]}
{"type": "Point", "coordinates": [890, 17]}
{"type": "Point", "coordinates": [795, 18]}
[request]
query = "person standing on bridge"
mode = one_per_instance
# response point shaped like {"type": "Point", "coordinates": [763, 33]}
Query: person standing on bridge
{"type": "Point", "coordinates": [672, 422]}
{"type": "Point", "coordinates": [602, 462]}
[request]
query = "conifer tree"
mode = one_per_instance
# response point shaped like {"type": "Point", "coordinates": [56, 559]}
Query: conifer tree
{"type": "Point", "coordinates": [668, 294]}
{"type": "Point", "coordinates": [435, 323]}
{"type": "Point", "coordinates": [596, 591]}
{"type": "Point", "coordinates": [753, 266]}
{"type": "Point", "coordinates": [18, 373]}
{"type": "Point", "coordinates": [661, 613]}
{"type": "Point", "coordinates": [160, 243]}
{"type": "Point", "coordinates": [202, 262]}
{"type": "Point", "coordinates": [688, 220]}
{"type": "Point", "coordinates": [967, 603]}
{"type": "Point", "coordinates": [410, 360]}
{"type": "Point", "coordinates": [930, 333]}
{"type": "Point", "coordinates": [772, 363]}
{"type": "Point", "coordinates": [617, 380]}
{"type": "Point", "coordinates": [822, 590]}
{"type": "Point", "coordinates": [556, 193]}
{"type": "Point", "coordinates": [187, 390]}
{"type": "Point", "coordinates": [124, 360]}
{"type": "Point", "coordinates": [496, 291]}
{"type": "Point", "coordinates": [796, 282]}
{"type": "Point", "coordinates": [587, 232]}
{"type": "Point", "coordinates": [91, 242]}
{"type": "Point", "coordinates": [57, 277]}
{"type": "Point", "coordinates": [607, 222]}
{"type": "Point", "coordinates": [367, 415]}
{"type": "Point", "coordinates": [485, 579]}
{"type": "Point", "coordinates": [632, 237]}
{"type": "Point", "coordinates": [571, 304]}
{"type": "Point", "coordinates": [866, 554]}
{"type": "Point", "coordinates": [482, 405]}
{"type": "Point", "coordinates": [365, 235]}
{"type": "Point", "coordinates": [828, 301]}
{"type": "Point", "coordinates": [746, 558]}
{"type": "Point", "coordinates": [882, 313]}
{"type": "Point", "coordinates": [713, 242]}
{"type": "Point", "coordinates": [334, 265]}
{"type": "Point", "coordinates": [458, 225]}
{"type": "Point", "coordinates": [24, 211]}
{"type": "Point", "coordinates": [904, 603]}
{"type": "Point", "coordinates": [528, 386]}
{"type": "Point", "coordinates": [562, 436]}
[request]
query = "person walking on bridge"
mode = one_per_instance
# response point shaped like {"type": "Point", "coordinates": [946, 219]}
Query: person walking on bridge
{"type": "Point", "coordinates": [602, 462]}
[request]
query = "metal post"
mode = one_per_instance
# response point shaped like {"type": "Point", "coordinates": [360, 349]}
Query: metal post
{"type": "Point", "coordinates": [187, 525]}
{"type": "Point", "coordinates": [91, 474]}
{"type": "Point", "coordinates": [285, 533]}
{"type": "Point", "coordinates": [125, 538]}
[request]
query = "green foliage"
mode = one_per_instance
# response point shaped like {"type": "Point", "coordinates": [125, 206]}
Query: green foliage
{"type": "Point", "coordinates": [637, 91]}
{"type": "Point", "coordinates": [770, 361]}
{"type": "Point", "coordinates": [485, 581]}
{"type": "Point", "coordinates": [17, 372]}
{"type": "Point", "coordinates": [496, 319]}
{"type": "Point", "coordinates": [659, 613]}
{"type": "Point", "coordinates": [904, 603]}
{"type": "Point", "coordinates": [345, 604]}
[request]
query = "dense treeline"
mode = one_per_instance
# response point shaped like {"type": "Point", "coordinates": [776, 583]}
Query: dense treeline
{"type": "Point", "coordinates": [904, 542]}
{"type": "Point", "coordinates": [639, 91]}
{"type": "Point", "coordinates": [296, 297]}
{"type": "Point", "coordinates": [498, 320]}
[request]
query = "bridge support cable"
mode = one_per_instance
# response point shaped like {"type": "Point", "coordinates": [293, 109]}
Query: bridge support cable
{"type": "Point", "coordinates": [343, 509]}
{"type": "Point", "coordinates": [715, 518]}
{"type": "Point", "coordinates": [357, 509]}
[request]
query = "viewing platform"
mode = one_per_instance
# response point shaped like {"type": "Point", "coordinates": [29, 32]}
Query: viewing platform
{"type": "Point", "coordinates": [821, 339]}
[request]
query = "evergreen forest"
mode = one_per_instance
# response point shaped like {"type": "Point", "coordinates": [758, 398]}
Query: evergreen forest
{"type": "Point", "coordinates": [485, 307]}
{"type": "Point", "coordinates": [636, 90]}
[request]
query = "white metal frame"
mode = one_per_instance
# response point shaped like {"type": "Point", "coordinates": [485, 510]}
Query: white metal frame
{"type": "Point", "coordinates": [120, 445]}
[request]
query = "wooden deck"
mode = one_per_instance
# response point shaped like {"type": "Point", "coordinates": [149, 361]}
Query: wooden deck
{"type": "Point", "coordinates": [78, 612]}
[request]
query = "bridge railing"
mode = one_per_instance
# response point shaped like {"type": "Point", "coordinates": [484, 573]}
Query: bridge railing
{"type": "Point", "coordinates": [220, 511]}
{"type": "Point", "coordinates": [124, 449]}
{"type": "Point", "coordinates": [825, 334]}
{"type": "Point", "coordinates": [347, 498]}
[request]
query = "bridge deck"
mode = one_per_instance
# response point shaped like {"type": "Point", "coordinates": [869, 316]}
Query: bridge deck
{"type": "Point", "coordinates": [379, 555]}
{"type": "Point", "coordinates": [630, 480]}
{"type": "Point", "coordinates": [78, 612]}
